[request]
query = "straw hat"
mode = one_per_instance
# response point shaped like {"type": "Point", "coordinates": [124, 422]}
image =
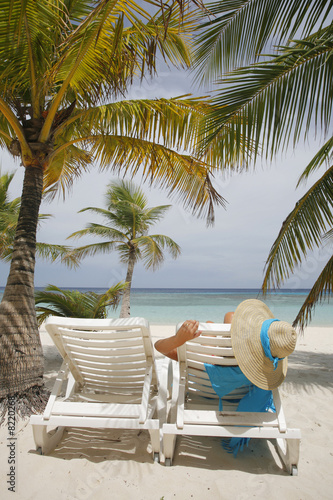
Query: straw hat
{"type": "Point", "coordinates": [248, 349]}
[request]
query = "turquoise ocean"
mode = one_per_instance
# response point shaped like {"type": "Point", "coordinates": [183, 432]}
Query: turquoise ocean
{"type": "Point", "coordinates": [172, 305]}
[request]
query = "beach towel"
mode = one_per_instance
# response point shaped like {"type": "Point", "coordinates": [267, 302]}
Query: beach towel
{"type": "Point", "coordinates": [225, 379]}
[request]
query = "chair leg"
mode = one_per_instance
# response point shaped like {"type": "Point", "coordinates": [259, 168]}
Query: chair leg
{"type": "Point", "coordinates": [288, 450]}
{"type": "Point", "coordinates": [155, 443]}
{"type": "Point", "coordinates": [169, 443]}
{"type": "Point", "coordinates": [46, 441]}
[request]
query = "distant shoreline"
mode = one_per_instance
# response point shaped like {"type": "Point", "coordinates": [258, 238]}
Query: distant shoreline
{"type": "Point", "coordinates": [188, 290]}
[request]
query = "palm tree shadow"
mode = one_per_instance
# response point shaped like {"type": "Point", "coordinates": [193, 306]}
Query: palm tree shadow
{"type": "Point", "coordinates": [309, 370]}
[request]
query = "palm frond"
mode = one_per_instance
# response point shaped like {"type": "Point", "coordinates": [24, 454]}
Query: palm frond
{"type": "Point", "coordinates": [74, 304]}
{"type": "Point", "coordinates": [182, 175]}
{"type": "Point", "coordinates": [127, 138]}
{"type": "Point", "coordinates": [64, 167]}
{"type": "Point", "coordinates": [93, 249]}
{"type": "Point", "coordinates": [264, 103]}
{"type": "Point", "coordinates": [124, 193]}
{"type": "Point", "coordinates": [322, 289]}
{"type": "Point", "coordinates": [301, 231]}
{"type": "Point", "coordinates": [152, 247]}
{"type": "Point", "coordinates": [103, 55]}
{"type": "Point", "coordinates": [173, 122]}
{"type": "Point", "coordinates": [56, 253]}
{"type": "Point", "coordinates": [101, 231]}
{"type": "Point", "coordinates": [154, 214]}
{"type": "Point", "coordinates": [328, 236]}
{"type": "Point", "coordinates": [151, 252]}
{"type": "Point", "coordinates": [25, 26]}
{"type": "Point", "coordinates": [323, 156]}
{"type": "Point", "coordinates": [109, 300]}
{"type": "Point", "coordinates": [237, 31]}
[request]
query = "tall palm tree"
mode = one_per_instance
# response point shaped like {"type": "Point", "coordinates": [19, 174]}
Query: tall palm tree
{"type": "Point", "coordinates": [128, 220]}
{"type": "Point", "coordinates": [75, 304]}
{"type": "Point", "coordinates": [63, 65]}
{"type": "Point", "coordinates": [272, 102]}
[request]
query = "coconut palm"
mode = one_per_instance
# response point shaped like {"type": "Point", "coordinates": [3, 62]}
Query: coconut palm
{"type": "Point", "coordinates": [273, 102]}
{"type": "Point", "coordinates": [63, 65]}
{"type": "Point", "coordinates": [75, 304]}
{"type": "Point", "coordinates": [128, 220]}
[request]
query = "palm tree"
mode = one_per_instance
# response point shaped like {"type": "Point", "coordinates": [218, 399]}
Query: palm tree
{"type": "Point", "coordinates": [63, 65]}
{"type": "Point", "coordinates": [9, 212]}
{"type": "Point", "coordinates": [8, 215]}
{"type": "Point", "coordinates": [128, 219]}
{"type": "Point", "coordinates": [75, 304]}
{"type": "Point", "coordinates": [272, 101]}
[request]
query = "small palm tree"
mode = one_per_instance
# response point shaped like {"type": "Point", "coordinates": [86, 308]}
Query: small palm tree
{"type": "Point", "coordinates": [75, 304]}
{"type": "Point", "coordinates": [128, 219]}
{"type": "Point", "coordinates": [9, 214]}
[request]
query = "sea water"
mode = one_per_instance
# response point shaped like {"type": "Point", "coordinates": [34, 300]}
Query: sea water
{"type": "Point", "coordinates": [172, 305]}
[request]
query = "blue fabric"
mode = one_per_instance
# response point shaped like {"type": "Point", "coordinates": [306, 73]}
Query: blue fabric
{"type": "Point", "coordinates": [225, 379]}
{"type": "Point", "coordinates": [265, 342]}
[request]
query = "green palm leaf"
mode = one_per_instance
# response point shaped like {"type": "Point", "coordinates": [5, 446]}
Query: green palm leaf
{"type": "Point", "coordinates": [301, 231]}
{"type": "Point", "coordinates": [152, 247]}
{"type": "Point", "coordinates": [131, 135]}
{"type": "Point", "coordinates": [74, 304]}
{"type": "Point", "coordinates": [94, 248]}
{"type": "Point", "coordinates": [99, 229]}
{"type": "Point", "coordinates": [237, 31]}
{"type": "Point", "coordinates": [323, 156]}
{"type": "Point", "coordinates": [322, 289]}
{"type": "Point", "coordinates": [55, 253]}
{"type": "Point", "coordinates": [264, 102]}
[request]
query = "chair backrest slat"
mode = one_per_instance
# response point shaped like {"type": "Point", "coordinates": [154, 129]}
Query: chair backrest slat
{"type": "Point", "coordinates": [213, 346]}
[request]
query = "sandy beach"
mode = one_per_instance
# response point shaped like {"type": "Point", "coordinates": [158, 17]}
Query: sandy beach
{"type": "Point", "coordinates": [94, 464]}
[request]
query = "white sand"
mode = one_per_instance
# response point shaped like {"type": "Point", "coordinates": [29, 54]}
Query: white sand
{"type": "Point", "coordinates": [94, 464]}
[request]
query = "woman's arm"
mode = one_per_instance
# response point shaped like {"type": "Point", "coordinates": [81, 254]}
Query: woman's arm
{"type": "Point", "coordinates": [168, 347]}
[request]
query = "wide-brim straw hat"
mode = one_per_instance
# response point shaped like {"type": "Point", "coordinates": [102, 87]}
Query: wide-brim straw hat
{"type": "Point", "coordinates": [247, 347]}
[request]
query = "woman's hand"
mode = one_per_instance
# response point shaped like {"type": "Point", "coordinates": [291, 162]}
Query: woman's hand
{"type": "Point", "coordinates": [169, 346]}
{"type": "Point", "coordinates": [188, 331]}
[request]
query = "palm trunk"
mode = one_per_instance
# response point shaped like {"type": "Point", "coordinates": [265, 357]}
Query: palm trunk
{"type": "Point", "coordinates": [21, 355]}
{"type": "Point", "coordinates": [125, 311]}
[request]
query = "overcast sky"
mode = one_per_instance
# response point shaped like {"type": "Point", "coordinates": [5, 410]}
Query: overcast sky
{"type": "Point", "coordinates": [231, 254]}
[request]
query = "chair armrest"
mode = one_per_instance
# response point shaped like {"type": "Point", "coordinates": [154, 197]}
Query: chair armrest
{"type": "Point", "coordinates": [164, 390]}
{"type": "Point", "coordinates": [279, 410]}
{"type": "Point", "coordinates": [61, 377]}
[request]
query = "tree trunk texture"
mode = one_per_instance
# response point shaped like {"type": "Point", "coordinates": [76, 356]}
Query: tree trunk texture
{"type": "Point", "coordinates": [125, 311]}
{"type": "Point", "coordinates": [21, 355]}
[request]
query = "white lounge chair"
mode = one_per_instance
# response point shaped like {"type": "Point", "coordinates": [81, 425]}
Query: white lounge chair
{"type": "Point", "coordinates": [111, 379]}
{"type": "Point", "coordinates": [195, 405]}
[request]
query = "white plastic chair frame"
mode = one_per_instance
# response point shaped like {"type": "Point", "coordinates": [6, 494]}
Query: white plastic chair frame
{"type": "Point", "coordinates": [111, 376]}
{"type": "Point", "coordinates": [194, 405]}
